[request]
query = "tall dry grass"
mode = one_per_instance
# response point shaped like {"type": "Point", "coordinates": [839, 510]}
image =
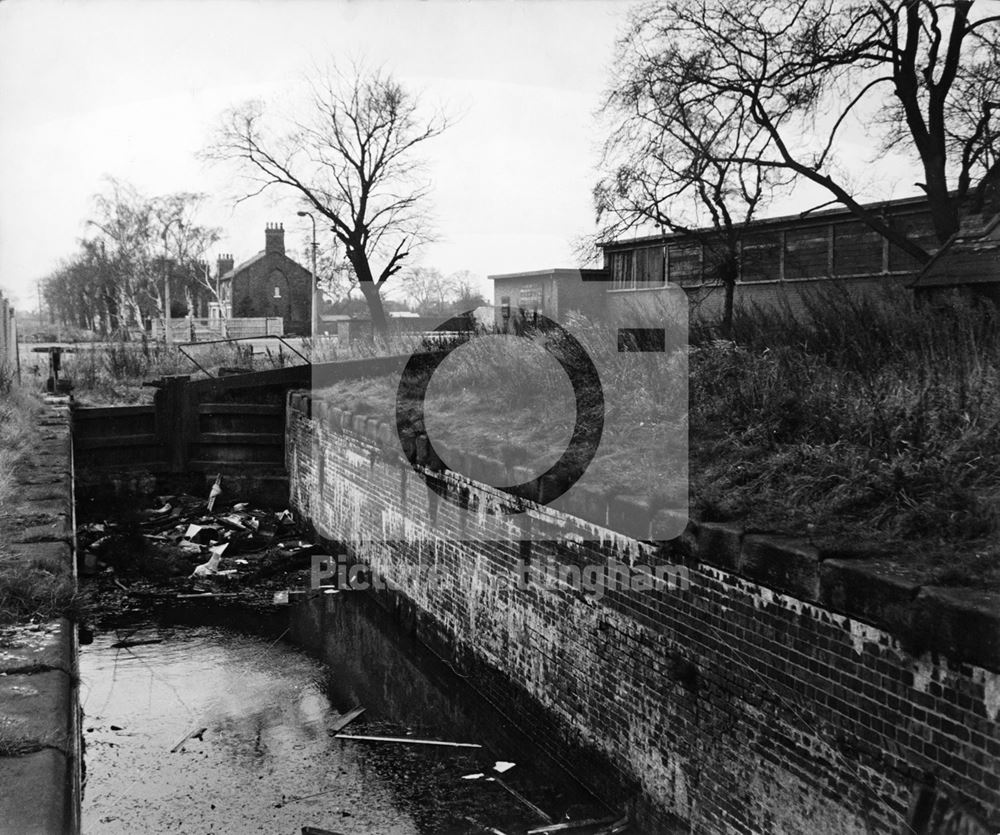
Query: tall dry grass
{"type": "Point", "coordinates": [18, 406]}
{"type": "Point", "coordinates": [863, 417]}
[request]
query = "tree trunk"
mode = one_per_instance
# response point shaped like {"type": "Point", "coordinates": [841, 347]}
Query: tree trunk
{"type": "Point", "coordinates": [369, 289]}
{"type": "Point", "coordinates": [374, 300]}
{"type": "Point", "coordinates": [727, 310]}
{"type": "Point", "coordinates": [729, 272]}
{"type": "Point", "coordinates": [944, 211]}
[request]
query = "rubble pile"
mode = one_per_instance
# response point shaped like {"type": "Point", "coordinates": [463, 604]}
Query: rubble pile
{"type": "Point", "coordinates": [186, 546]}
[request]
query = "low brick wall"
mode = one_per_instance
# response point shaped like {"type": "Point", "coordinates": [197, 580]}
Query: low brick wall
{"type": "Point", "coordinates": [768, 688]}
{"type": "Point", "coordinates": [39, 697]}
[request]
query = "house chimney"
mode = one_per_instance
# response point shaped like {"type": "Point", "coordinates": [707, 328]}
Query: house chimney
{"type": "Point", "coordinates": [274, 238]}
{"type": "Point", "coordinates": [224, 263]}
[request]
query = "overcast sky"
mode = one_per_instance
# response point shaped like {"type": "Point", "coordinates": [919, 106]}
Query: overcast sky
{"type": "Point", "coordinates": [134, 90]}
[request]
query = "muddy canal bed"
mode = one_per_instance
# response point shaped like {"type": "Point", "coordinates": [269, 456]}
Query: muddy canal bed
{"type": "Point", "coordinates": [264, 756]}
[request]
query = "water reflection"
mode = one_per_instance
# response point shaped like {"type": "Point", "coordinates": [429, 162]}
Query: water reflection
{"type": "Point", "coordinates": [267, 761]}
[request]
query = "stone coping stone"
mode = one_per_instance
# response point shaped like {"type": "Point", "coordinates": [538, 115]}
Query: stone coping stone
{"type": "Point", "coordinates": [53, 529]}
{"type": "Point", "coordinates": [788, 565]}
{"type": "Point", "coordinates": [39, 707]}
{"type": "Point", "coordinates": [719, 544]}
{"type": "Point", "coordinates": [961, 623]}
{"type": "Point", "coordinates": [57, 490]}
{"type": "Point", "coordinates": [880, 591]}
{"type": "Point", "coordinates": [37, 647]}
{"type": "Point", "coordinates": [46, 552]}
{"type": "Point", "coordinates": [33, 800]}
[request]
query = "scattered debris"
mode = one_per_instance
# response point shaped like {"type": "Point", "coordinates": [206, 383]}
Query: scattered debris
{"type": "Point", "coordinates": [212, 566]}
{"type": "Point", "coordinates": [197, 733]}
{"type": "Point", "coordinates": [215, 492]}
{"type": "Point", "coordinates": [177, 549]}
{"type": "Point", "coordinates": [405, 740]}
{"type": "Point", "coordinates": [491, 829]}
{"type": "Point", "coordinates": [569, 826]}
{"type": "Point", "coordinates": [346, 719]}
{"type": "Point", "coordinates": [513, 793]}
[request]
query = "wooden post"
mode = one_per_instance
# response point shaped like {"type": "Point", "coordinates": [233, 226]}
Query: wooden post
{"type": "Point", "coordinates": [174, 420]}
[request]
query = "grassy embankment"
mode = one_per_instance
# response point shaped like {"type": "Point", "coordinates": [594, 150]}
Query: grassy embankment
{"type": "Point", "coordinates": [865, 426]}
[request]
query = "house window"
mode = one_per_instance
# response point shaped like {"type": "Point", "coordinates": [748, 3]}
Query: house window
{"type": "Point", "coordinates": [277, 292]}
{"type": "Point", "coordinates": [621, 265]}
{"type": "Point", "coordinates": [918, 228]}
{"type": "Point", "coordinates": [761, 256]}
{"type": "Point", "coordinates": [505, 307]}
{"type": "Point", "coordinates": [685, 263]}
{"type": "Point", "coordinates": [807, 252]}
{"type": "Point", "coordinates": [857, 249]}
{"type": "Point", "coordinates": [636, 269]}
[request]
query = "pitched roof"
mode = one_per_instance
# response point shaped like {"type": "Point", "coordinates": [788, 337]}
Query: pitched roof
{"type": "Point", "coordinates": [970, 256]}
{"type": "Point", "coordinates": [243, 265]}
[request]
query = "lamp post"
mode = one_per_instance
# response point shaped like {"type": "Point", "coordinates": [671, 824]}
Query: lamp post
{"type": "Point", "coordinates": [314, 290]}
{"type": "Point", "coordinates": [167, 337]}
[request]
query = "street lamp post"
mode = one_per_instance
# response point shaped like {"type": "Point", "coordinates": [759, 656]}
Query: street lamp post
{"type": "Point", "coordinates": [314, 290]}
{"type": "Point", "coordinates": [167, 337]}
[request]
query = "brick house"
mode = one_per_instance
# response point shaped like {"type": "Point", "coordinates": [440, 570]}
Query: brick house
{"type": "Point", "coordinates": [270, 284]}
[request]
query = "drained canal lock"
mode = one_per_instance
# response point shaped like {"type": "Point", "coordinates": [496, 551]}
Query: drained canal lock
{"type": "Point", "coordinates": [203, 718]}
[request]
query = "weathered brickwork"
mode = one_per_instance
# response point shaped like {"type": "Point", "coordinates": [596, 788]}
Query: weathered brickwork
{"type": "Point", "coordinates": [738, 697]}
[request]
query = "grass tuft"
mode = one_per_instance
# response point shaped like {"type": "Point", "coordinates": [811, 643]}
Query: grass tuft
{"type": "Point", "coordinates": [39, 591]}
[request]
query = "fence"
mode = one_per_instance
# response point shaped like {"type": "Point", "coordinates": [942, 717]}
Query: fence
{"type": "Point", "coordinates": [201, 330]}
{"type": "Point", "coordinates": [9, 357]}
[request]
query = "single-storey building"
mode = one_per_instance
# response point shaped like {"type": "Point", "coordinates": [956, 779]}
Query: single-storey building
{"type": "Point", "coordinates": [970, 260]}
{"type": "Point", "coordinates": [779, 258]}
{"type": "Point", "coordinates": [551, 293]}
{"type": "Point", "coordinates": [270, 284]}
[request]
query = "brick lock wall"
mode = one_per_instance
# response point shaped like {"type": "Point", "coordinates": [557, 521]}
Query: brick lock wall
{"type": "Point", "coordinates": [728, 700]}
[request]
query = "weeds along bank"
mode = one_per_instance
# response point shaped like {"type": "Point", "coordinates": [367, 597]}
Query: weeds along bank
{"type": "Point", "coordinates": [843, 679]}
{"type": "Point", "coordinates": [867, 421]}
{"type": "Point", "coordinates": [40, 748]}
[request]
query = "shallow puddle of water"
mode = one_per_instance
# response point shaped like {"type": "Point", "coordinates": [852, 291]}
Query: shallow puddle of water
{"type": "Point", "coordinates": [267, 761]}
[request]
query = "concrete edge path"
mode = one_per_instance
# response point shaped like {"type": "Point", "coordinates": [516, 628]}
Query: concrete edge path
{"type": "Point", "coordinates": [39, 684]}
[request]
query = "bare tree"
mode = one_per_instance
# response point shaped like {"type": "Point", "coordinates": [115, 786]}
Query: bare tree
{"type": "Point", "coordinates": [467, 291]}
{"type": "Point", "coordinates": [116, 279]}
{"type": "Point", "coordinates": [334, 273]}
{"type": "Point", "coordinates": [185, 243]}
{"type": "Point", "coordinates": [675, 161]}
{"type": "Point", "coordinates": [794, 73]}
{"type": "Point", "coordinates": [353, 161]}
{"type": "Point", "coordinates": [428, 290]}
